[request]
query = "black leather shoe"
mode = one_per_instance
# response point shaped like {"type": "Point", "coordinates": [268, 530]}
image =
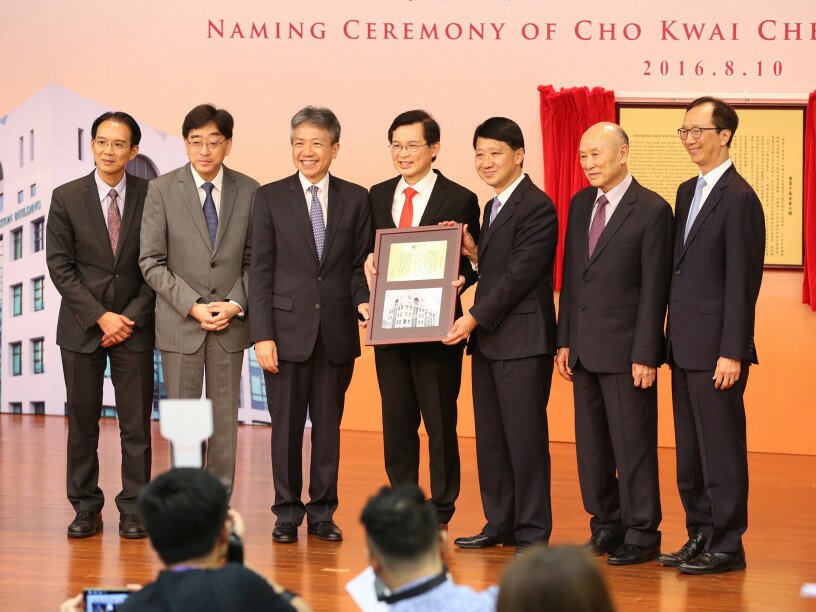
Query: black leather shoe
{"type": "Point", "coordinates": [131, 527]}
{"type": "Point", "coordinates": [521, 548]}
{"type": "Point", "coordinates": [285, 533]}
{"type": "Point", "coordinates": [480, 540]}
{"type": "Point", "coordinates": [714, 563]}
{"type": "Point", "coordinates": [325, 530]}
{"type": "Point", "coordinates": [632, 554]}
{"type": "Point", "coordinates": [85, 525]}
{"type": "Point", "coordinates": [605, 541]}
{"type": "Point", "coordinates": [692, 548]}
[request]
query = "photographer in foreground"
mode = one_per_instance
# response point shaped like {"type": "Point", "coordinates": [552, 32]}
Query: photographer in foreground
{"type": "Point", "coordinates": [189, 524]}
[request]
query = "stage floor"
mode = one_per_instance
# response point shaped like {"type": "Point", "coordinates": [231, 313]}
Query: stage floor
{"type": "Point", "coordinates": [41, 566]}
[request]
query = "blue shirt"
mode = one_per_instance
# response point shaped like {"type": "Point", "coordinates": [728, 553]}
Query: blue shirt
{"type": "Point", "coordinates": [448, 597]}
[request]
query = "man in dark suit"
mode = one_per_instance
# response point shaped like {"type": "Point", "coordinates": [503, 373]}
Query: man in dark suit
{"type": "Point", "coordinates": [719, 252]}
{"type": "Point", "coordinates": [312, 232]}
{"type": "Point", "coordinates": [106, 313]}
{"type": "Point", "coordinates": [617, 263]}
{"type": "Point", "coordinates": [423, 379]}
{"type": "Point", "coordinates": [195, 254]}
{"type": "Point", "coordinates": [512, 322]}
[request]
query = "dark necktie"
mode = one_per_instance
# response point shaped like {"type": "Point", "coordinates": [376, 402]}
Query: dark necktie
{"type": "Point", "coordinates": [114, 220]}
{"type": "Point", "coordinates": [210, 214]}
{"type": "Point", "coordinates": [598, 223]}
{"type": "Point", "coordinates": [318, 226]}
{"type": "Point", "coordinates": [407, 215]}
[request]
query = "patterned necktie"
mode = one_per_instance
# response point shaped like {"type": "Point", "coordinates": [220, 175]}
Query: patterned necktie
{"type": "Point", "coordinates": [598, 223]}
{"type": "Point", "coordinates": [407, 215]}
{"type": "Point", "coordinates": [695, 207]}
{"type": "Point", "coordinates": [114, 220]}
{"type": "Point", "coordinates": [210, 214]}
{"type": "Point", "coordinates": [494, 210]}
{"type": "Point", "coordinates": [318, 226]}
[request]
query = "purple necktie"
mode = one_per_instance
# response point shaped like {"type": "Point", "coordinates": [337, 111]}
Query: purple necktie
{"type": "Point", "coordinates": [598, 223]}
{"type": "Point", "coordinates": [114, 220]}
{"type": "Point", "coordinates": [210, 214]}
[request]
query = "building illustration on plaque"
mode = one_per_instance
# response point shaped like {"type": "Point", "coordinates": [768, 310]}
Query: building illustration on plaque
{"type": "Point", "coordinates": [412, 308]}
{"type": "Point", "coordinates": [45, 142]}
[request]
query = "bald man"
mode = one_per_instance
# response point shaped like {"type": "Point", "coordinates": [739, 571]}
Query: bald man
{"type": "Point", "coordinates": [617, 267]}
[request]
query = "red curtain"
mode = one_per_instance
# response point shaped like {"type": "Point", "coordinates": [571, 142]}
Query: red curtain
{"type": "Point", "coordinates": [809, 284]}
{"type": "Point", "coordinates": [565, 116]}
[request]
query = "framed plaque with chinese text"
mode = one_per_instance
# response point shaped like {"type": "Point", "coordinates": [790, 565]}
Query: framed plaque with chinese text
{"type": "Point", "coordinates": [768, 150]}
{"type": "Point", "coordinates": [412, 295]}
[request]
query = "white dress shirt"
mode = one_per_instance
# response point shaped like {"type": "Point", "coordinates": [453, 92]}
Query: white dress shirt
{"type": "Point", "coordinates": [423, 188]}
{"type": "Point", "coordinates": [104, 194]}
{"type": "Point", "coordinates": [505, 194]}
{"type": "Point", "coordinates": [613, 196]}
{"type": "Point", "coordinates": [217, 182]}
{"type": "Point", "coordinates": [322, 194]}
{"type": "Point", "coordinates": [711, 179]}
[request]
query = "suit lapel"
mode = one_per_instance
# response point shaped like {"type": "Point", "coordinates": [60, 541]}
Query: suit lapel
{"type": "Point", "coordinates": [504, 213]}
{"type": "Point", "coordinates": [436, 200]}
{"type": "Point", "coordinates": [95, 211]}
{"type": "Point", "coordinates": [297, 202]}
{"type": "Point", "coordinates": [131, 196]}
{"type": "Point", "coordinates": [708, 206]}
{"type": "Point", "coordinates": [229, 193]}
{"type": "Point", "coordinates": [622, 210]}
{"type": "Point", "coordinates": [334, 210]}
{"type": "Point", "coordinates": [383, 205]}
{"type": "Point", "coordinates": [189, 194]}
{"type": "Point", "coordinates": [582, 218]}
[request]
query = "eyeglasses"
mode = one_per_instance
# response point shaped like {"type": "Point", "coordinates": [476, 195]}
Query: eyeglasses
{"type": "Point", "coordinates": [118, 145]}
{"type": "Point", "coordinates": [695, 132]}
{"type": "Point", "coordinates": [412, 147]}
{"type": "Point", "coordinates": [195, 145]}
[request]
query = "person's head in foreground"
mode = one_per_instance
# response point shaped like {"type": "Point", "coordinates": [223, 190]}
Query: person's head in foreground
{"type": "Point", "coordinates": [560, 579]}
{"type": "Point", "coordinates": [402, 535]}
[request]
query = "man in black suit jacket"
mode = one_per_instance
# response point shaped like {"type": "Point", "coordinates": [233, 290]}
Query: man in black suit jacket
{"type": "Point", "coordinates": [512, 322]}
{"type": "Point", "coordinates": [719, 252]}
{"type": "Point", "coordinates": [617, 263]}
{"type": "Point", "coordinates": [311, 233]}
{"type": "Point", "coordinates": [423, 379]}
{"type": "Point", "coordinates": [92, 252]}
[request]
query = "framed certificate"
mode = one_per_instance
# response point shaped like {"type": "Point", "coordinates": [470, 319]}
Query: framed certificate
{"type": "Point", "coordinates": [412, 296]}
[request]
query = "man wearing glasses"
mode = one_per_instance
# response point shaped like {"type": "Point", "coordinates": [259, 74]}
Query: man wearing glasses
{"type": "Point", "coordinates": [422, 379]}
{"type": "Point", "coordinates": [106, 314]}
{"type": "Point", "coordinates": [195, 254]}
{"type": "Point", "coordinates": [719, 251]}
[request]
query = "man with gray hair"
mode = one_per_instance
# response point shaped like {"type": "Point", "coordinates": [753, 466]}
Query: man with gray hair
{"type": "Point", "coordinates": [311, 232]}
{"type": "Point", "coordinates": [617, 260]}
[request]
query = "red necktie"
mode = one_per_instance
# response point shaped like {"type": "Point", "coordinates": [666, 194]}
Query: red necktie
{"type": "Point", "coordinates": [114, 220]}
{"type": "Point", "coordinates": [407, 216]}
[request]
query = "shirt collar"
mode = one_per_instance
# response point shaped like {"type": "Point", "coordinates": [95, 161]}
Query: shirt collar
{"type": "Point", "coordinates": [217, 181]}
{"type": "Point", "coordinates": [505, 195]}
{"type": "Point", "coordinates": [104, 189]}
{"type": "Point", "coordinates": [615, 195]}
{"type": "Point", "coordinates": [423, 187]}
{"type": "Point", "coordinates": [714, 175]}
{"type": "Point", "coordinates": [322, 185]}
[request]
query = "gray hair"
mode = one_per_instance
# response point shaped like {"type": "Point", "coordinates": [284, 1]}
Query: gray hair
{"type": "Point", "coordinates": [321, 117]}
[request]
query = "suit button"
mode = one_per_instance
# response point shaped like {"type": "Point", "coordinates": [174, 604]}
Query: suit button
{"type": "Point", "coordinates": [677, 273]}
{"type": "Point", "coordinates": [212, 291]}
{"type": "Point", "coordinates": [586, 279]}
{"type": "Point", "coordinates": [479, 276]}
{"type": "Point", "coordinates": [583, 307]}
{"type": "Point", "coordinates": [212, 264]}
{"type": "Point", "coordinates": [116, 275]}
{"type": "Point", "coordinates": [319, 279]}
{"type": "Point", "coordinates": [317, 306]}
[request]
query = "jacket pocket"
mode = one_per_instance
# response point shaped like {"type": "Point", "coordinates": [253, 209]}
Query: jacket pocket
{"type": "Point", "coordinates": [282, 302]}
